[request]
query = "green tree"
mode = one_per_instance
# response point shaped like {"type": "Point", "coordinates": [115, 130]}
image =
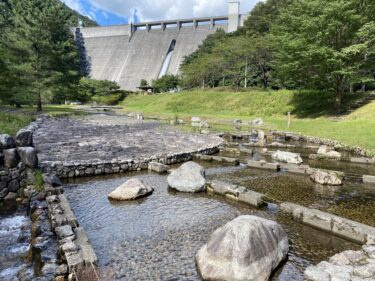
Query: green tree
{"type": "Point", "coordinates": [166, 83]}
{"type": "Point", "coordinates": [311, 39]}
{"type": "Point", "coordinates": [50, 61]}
{"type": "Point", "coordinates": [143, 83]}
{"type": "Point", "coordinates": [263, 15]}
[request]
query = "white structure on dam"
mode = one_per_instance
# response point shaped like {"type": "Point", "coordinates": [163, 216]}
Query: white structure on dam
{"type": "Point", "coordinates": [129, 53]}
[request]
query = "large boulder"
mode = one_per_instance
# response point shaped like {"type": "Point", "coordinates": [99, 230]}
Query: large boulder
{"type": "Point", "coordinates": [248, 248]}
{"type": "Point", "coordinates": [24, 138]}
{"type": "Point", "coordinates": [130, 190]}
{"type": "Point", "coordinates": [28, 156]}
{"type": "Point", "coordinates": [326, 177]}
{"type": "Point", "coordinates": [11, 158]}
{"type": "Point", "coordinates": [6, 142]}
{"type": "Point", "coordinates": [287, 157]}
{"type": "Point", "coordinates": [189, 177]}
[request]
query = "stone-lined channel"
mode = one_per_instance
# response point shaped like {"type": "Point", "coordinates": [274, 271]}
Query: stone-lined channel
{"type": "Point", "coordinates": [156, 238]}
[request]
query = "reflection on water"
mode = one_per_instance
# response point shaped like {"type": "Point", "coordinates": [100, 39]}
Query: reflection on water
{"type": "Point", "coordinates": [156, 238]}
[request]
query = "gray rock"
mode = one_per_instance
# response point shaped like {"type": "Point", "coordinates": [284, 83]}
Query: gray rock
{"type": "Point", "coordinates": [28, 156]}
{"type": "Point", "coordinates": [247, 248]}
{"type": "Point", "coordinates": [24, 138]}
{"type": "Point", "coordinates": [6, 142]}
{"type": "Point", "coordinates": [326, 177]}
{"type": "Point", "coordinates": [313, 273]}
{"type": "Point", "coordinates": [158, 167]}
{"type": "Point", "coordinates": [3, 193]}
{"type": "Point", "coordinates": [328, 153]}
{"type": "Point", "coordinates": [64, 231]}
{"type": "Point", "coordinates": [11, 197]}
{"type": "Point", "coordinates": [53, 180]}
{"type": "Point", "coordinates": [256, 122]}
{"type": "Point", "coordinates": [13, 186]}
{"type": "Point", "coordinates": [11, 158]}
{"type": "Point", "coordinates": [189, 177]}
{"type": "Point", "coordinates": [287, 157]}
{"type": "Point", "coordinates": [130, 190]}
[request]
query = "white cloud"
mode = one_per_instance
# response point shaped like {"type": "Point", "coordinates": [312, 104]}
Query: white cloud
{"type": "Point", "coordinates": [166, 9]}
{"type": "Point", "coordinates": [75, 5]}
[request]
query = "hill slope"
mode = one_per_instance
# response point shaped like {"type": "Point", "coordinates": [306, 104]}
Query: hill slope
{"type": "Point", "coordinates": [311, 112]}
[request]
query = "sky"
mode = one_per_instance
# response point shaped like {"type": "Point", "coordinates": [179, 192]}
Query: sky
{"type": "Point", "coordinates": [109, 12]}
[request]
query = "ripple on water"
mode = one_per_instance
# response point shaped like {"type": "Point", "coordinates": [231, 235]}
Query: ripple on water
{"type": "Point", "coordinates": [12, 251]}
{"type": "Point", "coordinates": [157, 237]}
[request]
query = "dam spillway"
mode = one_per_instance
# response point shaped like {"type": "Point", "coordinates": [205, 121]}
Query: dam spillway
{"type": "Point", "coordinates": [127, 54]}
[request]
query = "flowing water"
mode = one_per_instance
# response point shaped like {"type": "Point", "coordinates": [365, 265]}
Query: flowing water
{"type": "Point", "coordinates": [157, 237]}
{"type": "Point", "coordinates": [14, 245]}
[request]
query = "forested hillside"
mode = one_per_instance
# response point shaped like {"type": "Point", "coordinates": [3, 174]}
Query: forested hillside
{"type": "Point", "coordinates": [292, 44]}
{"type": "Point", "coordinates": [39, 60]}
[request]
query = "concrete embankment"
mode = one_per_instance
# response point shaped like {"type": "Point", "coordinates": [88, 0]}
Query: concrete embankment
{"type": "Point", "coordinates": [330, 223]}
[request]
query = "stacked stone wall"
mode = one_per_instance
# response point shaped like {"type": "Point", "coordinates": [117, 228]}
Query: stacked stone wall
{"type": "Point", "coordinates": [18, 158]}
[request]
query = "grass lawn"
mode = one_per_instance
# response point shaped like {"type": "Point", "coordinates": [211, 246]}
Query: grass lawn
{"type": "Point", "coordinates": [11, 123]}
{"type": "Point", "coordinates": [12, 120]}
{"type": "Point", "coordinates": [311, 112]}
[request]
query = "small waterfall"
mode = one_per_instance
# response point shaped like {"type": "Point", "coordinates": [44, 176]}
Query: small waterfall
{"type": "Point", "coordinates": [167, 60]}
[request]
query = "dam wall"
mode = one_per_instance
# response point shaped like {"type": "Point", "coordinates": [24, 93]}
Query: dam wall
{"type": "Point", "coordinates": [127, 54]}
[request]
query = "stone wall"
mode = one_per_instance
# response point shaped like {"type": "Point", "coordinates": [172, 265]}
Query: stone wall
{"type": "Point", "coordinates": [97, 167]}
{"type": "Point", "coordinates": [17, 159]}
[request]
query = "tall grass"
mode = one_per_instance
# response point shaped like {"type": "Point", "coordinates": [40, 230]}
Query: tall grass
{"type": "Point", "coordinates": [10, 123]}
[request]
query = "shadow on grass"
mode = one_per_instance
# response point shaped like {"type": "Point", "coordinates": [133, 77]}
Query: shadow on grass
{"type": "Point", "coordinates": [313, 104]}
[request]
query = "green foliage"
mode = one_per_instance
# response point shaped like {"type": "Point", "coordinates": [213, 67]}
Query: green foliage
{"type": "Point", "coordinates": [100, 91]}
{"type": "Point", "coordinates": [312, 39]}
{"type": "Point", "coordinates": [39, 60]}
{"type": "Point", "coordinates": [39, 182]}
{"type": "Point", "coordinates": [143, 83]}
{"type": "Point", "coordinates": [262, 17]}
{"type": "Point", "coordinates": [166, 83]}
{"type": "Point", "coordinates": [295, 44]}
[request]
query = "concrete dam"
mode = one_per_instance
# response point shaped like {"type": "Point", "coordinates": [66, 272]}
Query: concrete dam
{"type": "Point", "coordinates": [129, 53]}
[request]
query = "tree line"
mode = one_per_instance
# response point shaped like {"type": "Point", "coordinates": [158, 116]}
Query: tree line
{"type": "Point", "coordinates": [293, 44]}
{"type": "Point", "coordinates": [39, 58]}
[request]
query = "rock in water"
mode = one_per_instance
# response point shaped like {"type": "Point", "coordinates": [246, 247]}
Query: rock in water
{"type": "Point", "coordinates": [248, 248]}
{"type": "Point", "coordinates": [130, 190]}
{"type": "Point", "coordinates": [189, 177]}
{"type": "Point", "coordinates": [328, 152]}
{"type": "Point", "coordinates": [288, 157]}
{"type": "Point", "coordinates": [326, 177]}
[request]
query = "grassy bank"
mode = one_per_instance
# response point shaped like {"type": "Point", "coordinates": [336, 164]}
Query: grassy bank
{"type": "Point", "coordinates": [311, 112]}
{"type": "Point", "coordinates": [10, 123]}
{"type": "Point", "coordinates": [11, 120]}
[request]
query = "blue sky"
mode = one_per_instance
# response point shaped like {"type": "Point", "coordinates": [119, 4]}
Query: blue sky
{"type": "Point", "coordinates": [109, 12]}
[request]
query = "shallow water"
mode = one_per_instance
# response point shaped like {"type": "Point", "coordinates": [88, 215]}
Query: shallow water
{"type": "Point", "coordinates": [157, 237]}
{"type": "Point", "coordinates": [354, 200]}
{"type": "Point", "coordinates": [14, 244]}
